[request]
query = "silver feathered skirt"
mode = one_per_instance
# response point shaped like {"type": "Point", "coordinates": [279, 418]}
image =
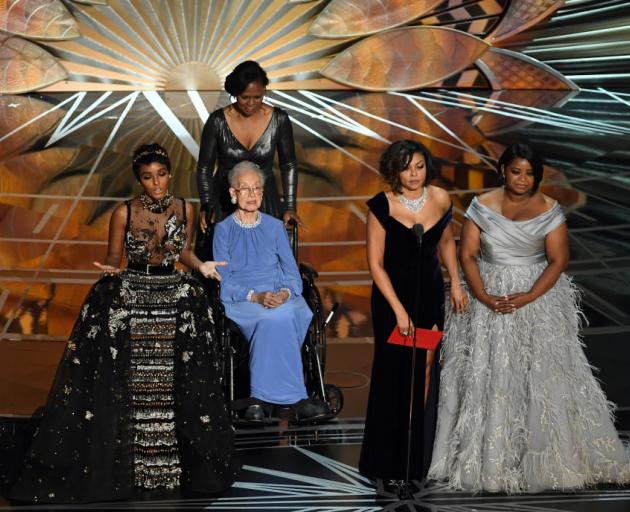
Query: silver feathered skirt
{"type": "Point", "coordinates": [520, 409]}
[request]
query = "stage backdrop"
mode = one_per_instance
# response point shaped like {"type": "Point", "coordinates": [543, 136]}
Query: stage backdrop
{"type": "Point", "coordinates": [84, 82]}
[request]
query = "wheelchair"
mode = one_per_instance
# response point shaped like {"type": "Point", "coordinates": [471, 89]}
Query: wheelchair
{"type": "Point", "coordinates": [236, 349]}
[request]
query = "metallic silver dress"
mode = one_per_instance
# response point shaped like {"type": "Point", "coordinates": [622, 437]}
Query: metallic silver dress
{"type": "Point", "coordinates": [520, 410]}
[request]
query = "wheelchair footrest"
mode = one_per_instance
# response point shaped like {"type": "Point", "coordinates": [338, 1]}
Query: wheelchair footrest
{"type": "Point", "coordinates": [251, 411]}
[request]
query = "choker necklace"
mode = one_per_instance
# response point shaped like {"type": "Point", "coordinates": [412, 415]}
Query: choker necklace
{"type": "Point", "coordinates": [159, 206]}
{"type": "Point", "coordinates": [247, 224]}
{"type": "Point", "coordinates": [414, 205]}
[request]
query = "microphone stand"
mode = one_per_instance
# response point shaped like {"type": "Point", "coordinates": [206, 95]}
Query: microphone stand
{"type": "Point", "coordinates": [405, 490]}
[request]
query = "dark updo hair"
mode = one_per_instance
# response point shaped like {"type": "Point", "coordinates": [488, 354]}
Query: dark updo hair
{"type": "Point", "coordinates": [396, 159]}
{"type": "Point", "coordinates": [243, 75]}
{"type": "Point", "coordinates": [147, 154]}
{"type": "Point", "coordinates": [526, 152]}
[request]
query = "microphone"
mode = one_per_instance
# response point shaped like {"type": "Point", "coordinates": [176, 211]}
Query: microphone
{"type": "Point", "coordinates": [418, 230]}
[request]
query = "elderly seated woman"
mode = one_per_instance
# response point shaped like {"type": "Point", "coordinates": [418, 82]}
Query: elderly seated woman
{"type": "Point", "coordinates": [261, 290]}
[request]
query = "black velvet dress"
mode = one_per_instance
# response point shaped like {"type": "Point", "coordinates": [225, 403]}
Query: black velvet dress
{"type": "Point", "coordinates": [383, 454]}
{"type": "Point", "coordinates": [219, 145]}
{"type": "Point", "coordinates": [137, 402]}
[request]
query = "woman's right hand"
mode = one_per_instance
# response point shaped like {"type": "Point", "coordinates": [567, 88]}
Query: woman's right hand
{"type": "Point", "coordinates": [404, 323]}
{"type": "Point", "coordinates": [500, 304]}
{"type": "Point", "coordinates": [107, 270]}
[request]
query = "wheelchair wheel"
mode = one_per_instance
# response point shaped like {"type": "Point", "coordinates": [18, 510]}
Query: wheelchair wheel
{"type": "Point", "coordinates": [334, 398]}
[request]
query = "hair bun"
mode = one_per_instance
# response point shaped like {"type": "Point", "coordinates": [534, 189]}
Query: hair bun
{"type": "Point", "coordinates": [243, 75]}
{"type": "Point", "coordinates": [231, 84]}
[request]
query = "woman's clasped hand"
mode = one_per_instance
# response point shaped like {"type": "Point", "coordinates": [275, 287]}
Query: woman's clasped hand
{"type": "Point", "coordinates": [271, 299]}
{"type": "Point", "coordinates": [505, 304]}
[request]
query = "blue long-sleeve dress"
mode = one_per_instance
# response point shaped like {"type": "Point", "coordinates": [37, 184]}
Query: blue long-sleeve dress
{"type": "Point", "coordinates": [260, 259]}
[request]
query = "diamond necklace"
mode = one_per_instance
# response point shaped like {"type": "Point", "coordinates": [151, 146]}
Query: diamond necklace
{"type": "Point", "coordinates": [414, 205]}
{"type": "Point", "coordinates": [155, 205]}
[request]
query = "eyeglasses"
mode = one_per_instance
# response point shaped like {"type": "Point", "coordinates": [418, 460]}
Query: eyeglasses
{"type": "Point", "coordinates": [251, 191]}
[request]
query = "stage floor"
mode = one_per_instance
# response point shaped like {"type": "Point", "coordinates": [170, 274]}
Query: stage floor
{"type": "Point", "coordinates": [314, 469]}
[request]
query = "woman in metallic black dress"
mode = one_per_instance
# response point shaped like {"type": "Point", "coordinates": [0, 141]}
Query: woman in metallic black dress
{"type": "Point", "coordinates": [137, 402]}
{"type": "Point", "coordinates": [251, 130]}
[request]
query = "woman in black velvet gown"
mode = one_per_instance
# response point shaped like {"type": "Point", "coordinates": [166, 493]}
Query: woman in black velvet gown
{"type": "Point", "coordinates": [251, 130]}
{"type": "Point", "coordinates": [394, 265]}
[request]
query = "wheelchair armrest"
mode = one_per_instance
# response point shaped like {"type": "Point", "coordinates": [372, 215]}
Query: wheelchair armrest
{"type": "Point", "coordinates": [231, 326]}
{"type": "Point", "coordinates": [224, 324]}
{"type": "Point", "coordinates": [308, 271]}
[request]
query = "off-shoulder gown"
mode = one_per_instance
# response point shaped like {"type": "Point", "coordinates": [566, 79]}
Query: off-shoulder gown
{"type": "Point", "coordinates": [520, 409]}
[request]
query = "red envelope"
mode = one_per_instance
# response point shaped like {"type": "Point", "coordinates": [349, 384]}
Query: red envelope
{"type": "Point", "coordinates": [425, 338]}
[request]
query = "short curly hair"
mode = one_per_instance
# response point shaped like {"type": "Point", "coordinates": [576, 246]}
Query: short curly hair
{"type": "Point", "coordinates": [396, 158]}
{"type": "Point", "coordinates": [147, 154]}
{"type": "Point", "coordinates": [242, 168]}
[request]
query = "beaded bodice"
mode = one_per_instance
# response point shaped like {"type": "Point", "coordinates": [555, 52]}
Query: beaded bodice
{"type": "Point", "coordinates": [155, 237]}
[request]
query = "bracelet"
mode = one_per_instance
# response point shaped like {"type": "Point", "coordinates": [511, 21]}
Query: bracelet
{"type": "Point", "coordinates": [250, 295]}
{"type": "Point", "coordinates": [286, 290]}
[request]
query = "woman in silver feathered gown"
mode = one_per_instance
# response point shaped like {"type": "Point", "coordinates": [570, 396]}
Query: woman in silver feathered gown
{"type": "Point", "coordinates": [520, 410]}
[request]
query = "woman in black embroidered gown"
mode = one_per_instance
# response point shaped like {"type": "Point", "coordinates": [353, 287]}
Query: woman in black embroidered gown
{"type": "Point", "coordinates": [246, 130]}
{"type": "Point", "coordinates": [137, 402]}
{"type": "Point", "coordinates": [394, 265]}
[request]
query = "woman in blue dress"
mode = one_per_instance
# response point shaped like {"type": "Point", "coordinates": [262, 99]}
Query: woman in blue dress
{"type": "Point", "coordinates": [261, 291]}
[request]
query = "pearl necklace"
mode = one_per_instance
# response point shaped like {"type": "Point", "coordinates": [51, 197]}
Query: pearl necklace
{"type": "Point", "coordinates": [414, 205]}
{"type": "Point", "coordinates": [247, 225]}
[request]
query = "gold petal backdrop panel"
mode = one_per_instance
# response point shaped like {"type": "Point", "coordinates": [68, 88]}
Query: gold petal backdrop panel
{"type": "Point", "coordinates": [38, 19]}
{"type": "Point", "coordinates": [350, 18]}
{"type": "Point", "coordinates": [24, 66]}
{"type": "Point", "coordinates": [405, 58]}
{"type": "Point", "coordinates": [32, 118]}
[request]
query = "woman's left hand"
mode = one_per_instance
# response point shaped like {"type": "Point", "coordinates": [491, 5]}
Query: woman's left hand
{"type": "Point", "coordinates": [288, 215]}
{"type": "Point", "coordinates": [459, 299]}
{"type": "Point", "coordinates": [208, 269]}
{"type": "Point", "coordinates": [518, 300]}
{"type": "Point", "coordinates": [283, 296]}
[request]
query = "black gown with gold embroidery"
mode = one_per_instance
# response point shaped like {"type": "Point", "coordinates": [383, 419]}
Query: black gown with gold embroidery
{"type": "Point", "coordinates": [137, 402]}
